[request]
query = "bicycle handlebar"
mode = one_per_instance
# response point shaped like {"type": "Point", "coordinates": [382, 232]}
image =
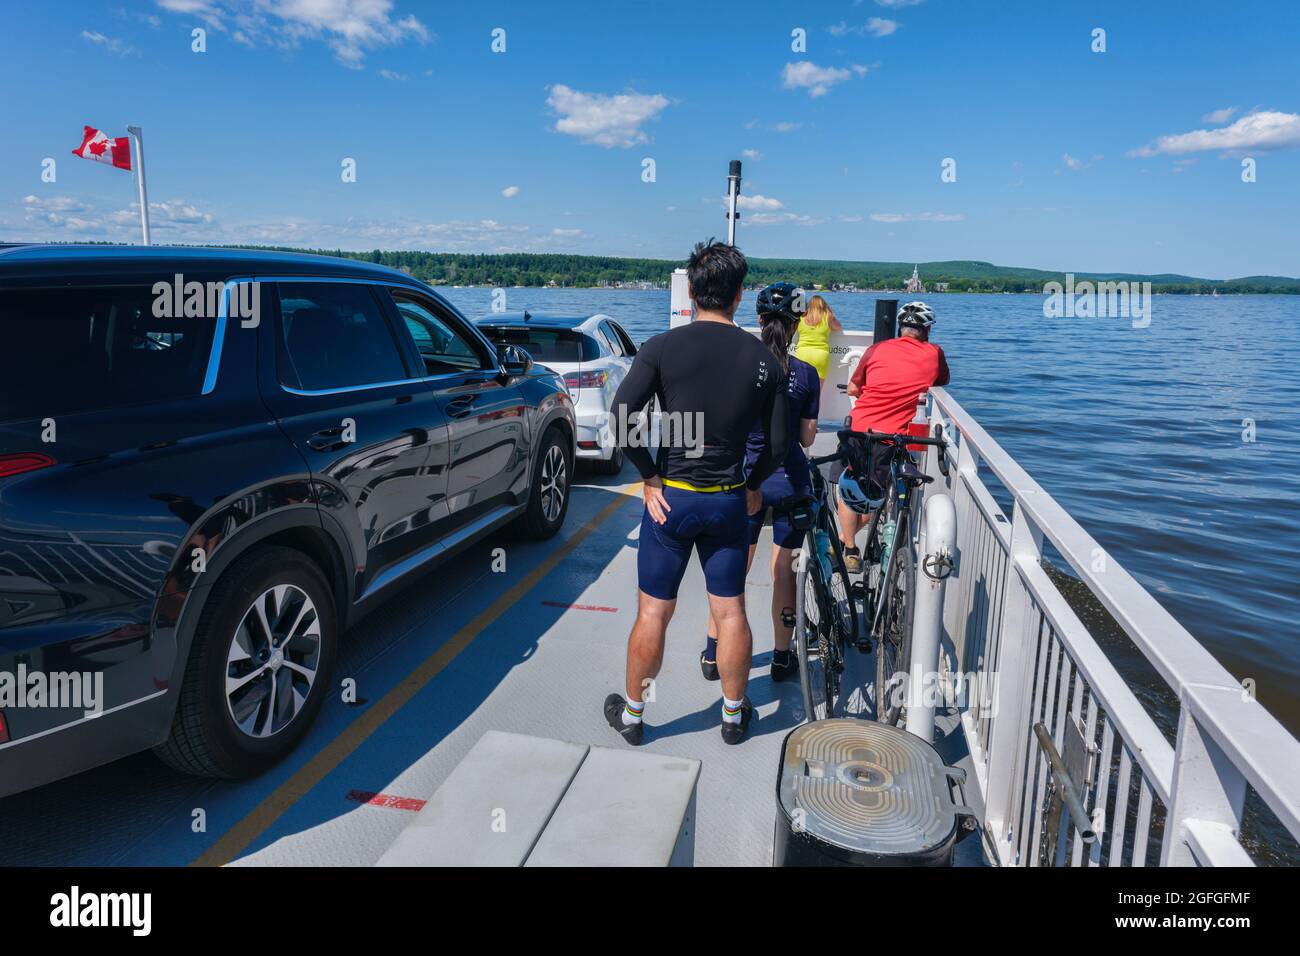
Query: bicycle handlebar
{"type": "Point", "coordinates": [896, 439]}
{"type": "Point", "coordinates": [843, 434]}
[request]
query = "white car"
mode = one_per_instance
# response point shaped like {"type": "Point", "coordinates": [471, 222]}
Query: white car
{"type": "Point", "coordinates": [591, 352]}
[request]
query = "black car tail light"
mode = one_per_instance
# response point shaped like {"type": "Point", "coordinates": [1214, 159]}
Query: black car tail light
{"type": "Point", "coordinates": [26, 461]}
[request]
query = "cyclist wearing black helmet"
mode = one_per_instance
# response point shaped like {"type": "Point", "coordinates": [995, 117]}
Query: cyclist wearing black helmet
{"type": "Point", "coordinates": [778, 309]}
{"type": "Point", "coordinates": [888, 382]}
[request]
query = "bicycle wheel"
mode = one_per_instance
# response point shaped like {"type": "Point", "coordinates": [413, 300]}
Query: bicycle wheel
{"type": "Point", "coordinates": [839, 588]}
{"type": "Point", "coordinates": [894, 645]}
{"type": "Point", "coordinates": [823, 669]}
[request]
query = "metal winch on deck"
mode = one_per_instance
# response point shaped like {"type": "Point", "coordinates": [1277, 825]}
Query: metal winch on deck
{"type": "Point", "coordinates": [860, 793]}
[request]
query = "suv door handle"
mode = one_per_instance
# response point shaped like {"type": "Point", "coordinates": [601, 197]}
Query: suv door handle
{"type": "Point", "coordinates": [327, 439]}
{"type": "Point", "coordinates": [461, 405]}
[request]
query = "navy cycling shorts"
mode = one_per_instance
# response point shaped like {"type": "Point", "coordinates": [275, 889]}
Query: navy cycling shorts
{"type": "Point", "coordinates": [777, 486]}
{"type": "Point", "coordinates": [712, 523]}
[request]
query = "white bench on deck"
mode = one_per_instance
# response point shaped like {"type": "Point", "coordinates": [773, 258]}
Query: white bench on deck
{"type": "Point", "coordinates": [529, 801]}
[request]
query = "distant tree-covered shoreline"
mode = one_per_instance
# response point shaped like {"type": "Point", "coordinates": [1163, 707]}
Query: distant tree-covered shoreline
{"type": "Point", "coordinates": [573, 271]}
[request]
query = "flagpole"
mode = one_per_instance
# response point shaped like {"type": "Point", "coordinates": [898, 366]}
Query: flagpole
{"type": "Point", "coordinates": [136, 132]}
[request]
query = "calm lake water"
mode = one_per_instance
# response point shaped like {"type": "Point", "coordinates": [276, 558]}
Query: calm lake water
{"type": "Point", "coordinates": [1137, 432]}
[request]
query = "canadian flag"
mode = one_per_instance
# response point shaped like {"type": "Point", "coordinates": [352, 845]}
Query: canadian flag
{"type": "Point", "coordinates": [96, 145]}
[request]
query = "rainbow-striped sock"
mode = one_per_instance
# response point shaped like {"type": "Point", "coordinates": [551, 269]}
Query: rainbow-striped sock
{"type": "Point", "coordinates": [632, 711]}
{"type": "Point", "coordinates": [731, 710]}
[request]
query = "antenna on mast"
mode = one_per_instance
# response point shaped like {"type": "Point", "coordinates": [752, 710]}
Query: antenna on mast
{"type": "Point", "coordinates": [733, 193]}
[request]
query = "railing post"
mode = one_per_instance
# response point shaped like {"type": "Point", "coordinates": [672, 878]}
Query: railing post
{"type": "Point", "coordinates": [967, 471]}
{"type": "Point", "coordinates": [1206, 787]}
{"type": "Point", "coordinates": [934, 560]}
{"type": "Point", "coordinates": [1012, 687]}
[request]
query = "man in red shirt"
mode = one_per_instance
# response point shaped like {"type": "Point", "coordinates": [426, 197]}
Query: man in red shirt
{"type": "Point", "coordinates": [888, 382]}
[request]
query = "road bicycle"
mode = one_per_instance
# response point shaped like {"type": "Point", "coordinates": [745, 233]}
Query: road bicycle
{"type": "Point", "coordinates": [889, 562]}
{"type": "Point", "coordinates": [825, 616]}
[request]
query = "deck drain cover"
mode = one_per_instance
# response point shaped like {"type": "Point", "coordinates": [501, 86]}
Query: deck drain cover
{"type": "Point", "coordinates": [859, 792]}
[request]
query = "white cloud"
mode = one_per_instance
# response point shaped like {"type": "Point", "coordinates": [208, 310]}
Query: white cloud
{"type": "Point", "coordinates": [603, 119]}
{"type": "Point", "coordinates": [61, 213]}
{"type": "Point", "coordinates": [752, 155]}
{"type": "Point", "coordinates": [350, 28]}
{"type": "Point", "coordinates": [782, 126]}
{"type": "Point", "coordinates": [876, 26]}
{"type": "Point", "coordinates": [56, 215]}
{"type": "Point", "coordinates": [390, 75]}
{"type": "Point", "coordinates": [917, 217]}
{"type": "Point", "coordinates": [817, 80]}
{"type": "Point", "coordinates": [1256, 131]}
{"type": "Point", "coordinates": [172, 213]}
{"type": "Point", "coordinates": [756, 201]}
{"type": "Point", "coordinates": [111, 44]}
{"type": "Point", "coordinates": [151, 19]}
{"type": "Point", "coordinates": [1219, 116]}
{"type": "Point", "coordinates": [68, 218]}
{"type": "Point", "coordinates": [781, 219]}
{"type": "Point", "coordinates": [510, 192]}
{"type": "Point", "coordinates": [1074, 164]}
{"type": "Point", "coordinates": [897, 3]}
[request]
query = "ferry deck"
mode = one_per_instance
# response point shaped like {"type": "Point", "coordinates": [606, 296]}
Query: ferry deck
{"type": "Point", "coordinates": [534, 649]}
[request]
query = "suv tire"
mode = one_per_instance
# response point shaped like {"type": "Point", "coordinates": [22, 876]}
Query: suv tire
{"type": "Point", "coordinates": [551, 488]}
{"type": "Point", "coordinates": [246, 702]}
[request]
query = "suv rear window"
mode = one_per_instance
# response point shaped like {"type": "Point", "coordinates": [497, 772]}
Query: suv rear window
{"type": "Point", "coordinates": [546, 345]}
{"type": "Point", "coordinates": [93, 348]}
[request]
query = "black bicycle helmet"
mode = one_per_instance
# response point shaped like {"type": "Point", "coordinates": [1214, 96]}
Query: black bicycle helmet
{"type": "Point", "coordinates": [779, 297]}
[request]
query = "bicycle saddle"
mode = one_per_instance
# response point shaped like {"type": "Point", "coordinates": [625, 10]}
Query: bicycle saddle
{"type": "Point", "coordinates": [909, 472]}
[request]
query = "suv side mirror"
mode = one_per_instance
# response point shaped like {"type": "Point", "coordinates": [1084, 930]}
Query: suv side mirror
{"type": "Point", "coordinates": [515, 360]}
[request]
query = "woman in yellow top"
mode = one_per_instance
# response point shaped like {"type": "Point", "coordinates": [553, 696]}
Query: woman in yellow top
{"type": "Point", "coordinates": [813, 343]}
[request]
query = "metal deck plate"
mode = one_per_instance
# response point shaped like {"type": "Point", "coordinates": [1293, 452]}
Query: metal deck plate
{"type": "Point", "coordinates": [866, 787]}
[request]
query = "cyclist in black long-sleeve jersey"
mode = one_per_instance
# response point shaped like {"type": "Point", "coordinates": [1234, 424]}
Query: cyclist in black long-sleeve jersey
{"type": "Point", "coordinates": [713, 381]}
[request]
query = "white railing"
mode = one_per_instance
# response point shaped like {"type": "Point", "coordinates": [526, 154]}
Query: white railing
{"type": "Point", "coordinates": [1027, 658]}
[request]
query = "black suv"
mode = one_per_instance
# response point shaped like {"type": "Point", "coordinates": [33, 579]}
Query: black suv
{"type": "Point", "coordinates": [212, 462]}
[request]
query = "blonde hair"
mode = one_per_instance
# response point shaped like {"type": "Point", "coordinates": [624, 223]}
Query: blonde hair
{"type": "Point", "coordinates": [818, 309]}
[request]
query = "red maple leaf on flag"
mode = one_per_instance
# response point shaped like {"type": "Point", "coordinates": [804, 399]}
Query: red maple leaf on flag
{"type": "Point", "coordinates": [98, 148]}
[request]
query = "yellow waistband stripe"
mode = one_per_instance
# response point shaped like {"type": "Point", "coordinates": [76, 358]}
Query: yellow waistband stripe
{"type": "Point", "coordinates": [687, 486]}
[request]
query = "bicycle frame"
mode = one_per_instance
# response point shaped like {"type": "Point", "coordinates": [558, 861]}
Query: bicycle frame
{"type": "Point", "coordinates": [897, 506]}
{"type": "Point", "coordinates": [817, 541]}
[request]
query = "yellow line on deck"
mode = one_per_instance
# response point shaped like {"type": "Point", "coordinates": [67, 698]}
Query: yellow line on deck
{"type": "Point", "coordinates": [235, 840]}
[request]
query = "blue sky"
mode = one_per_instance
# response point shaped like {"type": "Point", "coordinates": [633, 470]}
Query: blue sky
{"type": "Point", "coordinates": [1060, 161]}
